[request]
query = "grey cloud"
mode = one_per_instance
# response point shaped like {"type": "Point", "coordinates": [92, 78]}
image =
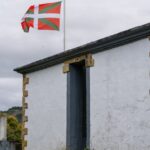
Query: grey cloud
{"type": "Point", "coordinates": [10, 92]}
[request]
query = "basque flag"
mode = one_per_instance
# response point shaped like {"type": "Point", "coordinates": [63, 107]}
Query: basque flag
{"type": "Point", "coordinates": [42, 17]}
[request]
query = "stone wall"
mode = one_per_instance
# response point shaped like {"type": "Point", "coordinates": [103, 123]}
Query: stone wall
{"type": "Point", "coordinates": [3, 127]}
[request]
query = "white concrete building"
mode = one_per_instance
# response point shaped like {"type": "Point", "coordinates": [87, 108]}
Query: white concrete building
{"type": "Point", "coordinates": [95, 96]}
{"type": "Point", "coordinates": [3, 127]}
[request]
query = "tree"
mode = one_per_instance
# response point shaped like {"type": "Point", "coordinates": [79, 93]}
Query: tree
{"type": "Point", "coordinates": [13, 129]}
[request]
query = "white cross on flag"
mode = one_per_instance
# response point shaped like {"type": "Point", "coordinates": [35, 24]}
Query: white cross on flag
{"type": "Point", "coordinates": [42, 17]}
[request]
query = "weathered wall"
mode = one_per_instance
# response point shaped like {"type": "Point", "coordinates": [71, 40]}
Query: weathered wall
{"type": "Point", "coordinates": [46, 109]}
{"type": "Point", "coordinates": [4, 145]}
{"type": "Point", "coordinates": [120, 101]}
{"type": "Point", "coordinates": [3, 128]}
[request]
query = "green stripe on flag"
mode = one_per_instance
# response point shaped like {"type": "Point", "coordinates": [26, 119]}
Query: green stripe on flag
{"type": "Point", "coordinates": [49, 7]}
{"type": "Point", "coordinates": [26, 29]}
{"type": "Point", "coordinates": [49, 23]}
{"type": "Point", "coordinates": [29, 19]}
{"type": "Point", "coordinates": [29, 12]}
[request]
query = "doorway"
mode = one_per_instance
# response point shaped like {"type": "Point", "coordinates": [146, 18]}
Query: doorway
{"type": "Point", "coordinates": [78, 109]}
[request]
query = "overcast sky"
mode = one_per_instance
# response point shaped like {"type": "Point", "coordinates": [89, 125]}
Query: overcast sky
{"type": "Point", "coordinates": [86, 21]}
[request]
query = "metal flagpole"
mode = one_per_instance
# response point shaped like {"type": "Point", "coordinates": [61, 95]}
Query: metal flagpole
{"type": "Point", "coordinates": [64, 40]}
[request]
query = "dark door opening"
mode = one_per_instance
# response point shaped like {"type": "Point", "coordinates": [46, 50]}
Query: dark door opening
{"type": "Point", "coordinates": [77, 116]}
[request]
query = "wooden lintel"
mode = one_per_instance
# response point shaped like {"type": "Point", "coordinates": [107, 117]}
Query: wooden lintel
{"type": "Point", "coordinates": [89, 62]}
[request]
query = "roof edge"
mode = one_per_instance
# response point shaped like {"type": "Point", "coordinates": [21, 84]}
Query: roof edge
{"type": "Point", "coordinates": [103, 44]}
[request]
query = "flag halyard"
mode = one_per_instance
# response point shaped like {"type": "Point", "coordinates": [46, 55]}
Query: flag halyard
{"type": "Point", "coordinates": [42, 17]}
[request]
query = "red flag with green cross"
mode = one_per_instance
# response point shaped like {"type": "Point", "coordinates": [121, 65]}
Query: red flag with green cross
{"type": "Point", "coordinates": [42, 17]}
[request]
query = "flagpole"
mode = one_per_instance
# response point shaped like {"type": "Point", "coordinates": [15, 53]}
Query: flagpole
{"type": "Point", "coordinates": [64, 38]}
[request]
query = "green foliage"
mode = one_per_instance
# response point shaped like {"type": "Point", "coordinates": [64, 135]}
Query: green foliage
{"type": "Point", "coordinates": [14, 111]}
{"type": "Point", "coordinates": [13, 129]}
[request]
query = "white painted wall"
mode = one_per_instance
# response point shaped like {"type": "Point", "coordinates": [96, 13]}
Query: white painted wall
{"type": "Point", "coordinates": [120, 101]}
{"type": "Point", "coordinates": [3, 128]}
{"type": "Point", "coordinates": [47, 109]}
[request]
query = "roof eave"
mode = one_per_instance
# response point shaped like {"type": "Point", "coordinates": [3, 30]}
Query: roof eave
{"type": "Point", "coordinates": [107, 43]}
